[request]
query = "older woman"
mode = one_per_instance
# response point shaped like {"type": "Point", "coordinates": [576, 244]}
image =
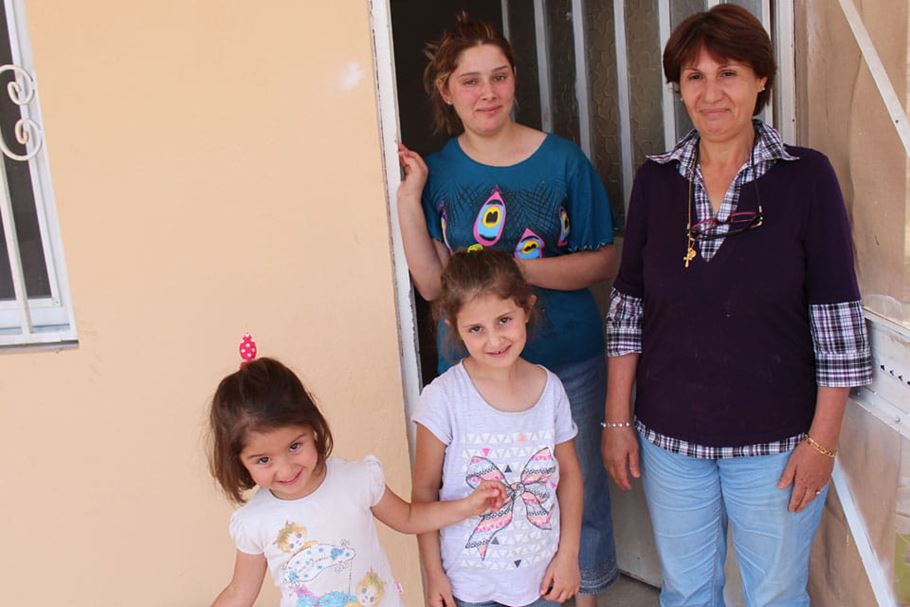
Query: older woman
{"type": "Point", "coordinates": [500, 184]}
{"type": "Point", "coordinates": [742, 333]}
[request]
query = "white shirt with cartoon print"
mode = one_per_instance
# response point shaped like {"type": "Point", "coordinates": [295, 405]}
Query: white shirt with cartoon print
{"type": "Point", "coordinates": [501, 556]}
{"type": "Point", "coordinates": [322, 549]}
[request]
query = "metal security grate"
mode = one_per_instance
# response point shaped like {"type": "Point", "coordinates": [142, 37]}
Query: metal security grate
{"type": "Point", "coordinates": [35, 305]}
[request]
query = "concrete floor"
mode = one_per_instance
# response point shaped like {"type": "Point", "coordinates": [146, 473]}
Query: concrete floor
{"type": "Point", "coordinates": [627, 593]}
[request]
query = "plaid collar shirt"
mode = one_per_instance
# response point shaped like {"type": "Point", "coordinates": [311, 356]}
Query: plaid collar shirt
{"type": "Point", "coordinates": [768, 148]}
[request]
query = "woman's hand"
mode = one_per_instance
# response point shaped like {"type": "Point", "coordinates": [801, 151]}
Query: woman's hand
{"type": "Point", "coordinates": [426, 256]}
{"type": "Point", "coordinates": [415, 175]}
{"type": "Point", "coordinates": [562, 579]}
{"type": "Point", "coordinates": [439, 590]}
{"type": "Point", "coordinates": [808, 471]}
{"type": "Point", "coordinates": [619, 450]}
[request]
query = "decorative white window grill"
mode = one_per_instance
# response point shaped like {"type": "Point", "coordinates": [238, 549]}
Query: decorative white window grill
{"type": "Point", "coordinates": [35, 303]}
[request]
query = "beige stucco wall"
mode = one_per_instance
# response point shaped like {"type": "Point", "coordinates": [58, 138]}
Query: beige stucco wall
{"type": "Point", "coordinates": [217, 169]}
{"type": "Point", "coordinates": [841, 112]}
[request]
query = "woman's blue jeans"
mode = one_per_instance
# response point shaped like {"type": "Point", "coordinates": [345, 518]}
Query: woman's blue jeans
{"type": "Point", "coordinates": [690, 501]}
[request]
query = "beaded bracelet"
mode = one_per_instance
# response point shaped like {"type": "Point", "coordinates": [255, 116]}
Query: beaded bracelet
{"type": "Point", "coordinates": [615, 424]}
{"type": "Point", "coordinates": [823, 450]}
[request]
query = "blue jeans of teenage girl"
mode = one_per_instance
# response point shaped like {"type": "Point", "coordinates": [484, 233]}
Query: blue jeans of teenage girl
{"type": "Point", "coordinates": [585, 384]}
{"type": "Point", "coordinates": [690, 501]}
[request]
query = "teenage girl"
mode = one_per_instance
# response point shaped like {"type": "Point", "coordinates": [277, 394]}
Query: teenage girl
{"type": "Point", "coordinates": [311, 521]}
{"type": "Point", "coordinates": [496, 417]}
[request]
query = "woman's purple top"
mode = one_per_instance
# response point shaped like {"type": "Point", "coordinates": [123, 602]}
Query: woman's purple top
{"type": "Point", "coordinates": [727, 354]}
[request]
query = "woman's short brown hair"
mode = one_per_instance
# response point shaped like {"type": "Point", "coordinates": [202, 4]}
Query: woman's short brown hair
{"type": "Point", "coordinates": [444, 54]}
{"type": "Point", "coordinates": [727, 31]}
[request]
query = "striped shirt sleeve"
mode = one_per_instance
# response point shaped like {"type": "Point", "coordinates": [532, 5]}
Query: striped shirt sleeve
{"type": "Point", "coordinates": [623, 324]}
{"type": "Point", "coordinates": [843, 358]}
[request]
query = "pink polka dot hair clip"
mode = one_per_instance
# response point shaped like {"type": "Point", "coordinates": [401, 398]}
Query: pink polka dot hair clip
{"type": "Point", "coordinates": [247, 349]}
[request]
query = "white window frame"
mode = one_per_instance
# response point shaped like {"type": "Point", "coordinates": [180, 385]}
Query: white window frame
{"type": "Point", "coordinates": [36, 320]}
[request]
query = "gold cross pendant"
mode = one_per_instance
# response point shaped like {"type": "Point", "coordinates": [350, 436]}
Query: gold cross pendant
{"type": "Point", "coordinates": [689, 256]}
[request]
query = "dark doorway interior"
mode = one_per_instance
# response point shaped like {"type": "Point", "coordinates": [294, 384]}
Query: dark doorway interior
{"type": "Point", "coordinates": [414, 23]}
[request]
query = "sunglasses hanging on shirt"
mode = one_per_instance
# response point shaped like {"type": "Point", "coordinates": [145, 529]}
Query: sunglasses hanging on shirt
{"type": "Point", "coordinates": [738, 222]}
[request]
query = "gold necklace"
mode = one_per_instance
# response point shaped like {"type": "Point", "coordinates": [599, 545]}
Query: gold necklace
{"type": "Point", "coordinates": [690, 244]}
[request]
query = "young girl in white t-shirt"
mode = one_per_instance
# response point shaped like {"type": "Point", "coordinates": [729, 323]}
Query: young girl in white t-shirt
{"type": "Point", "coordinates": [497, 417]}
{"type": "Point", "coordinates": [311, 521]}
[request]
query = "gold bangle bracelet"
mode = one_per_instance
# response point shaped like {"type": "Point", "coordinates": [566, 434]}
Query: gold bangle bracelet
{"type": "Point", "coordinates": [823, 450]}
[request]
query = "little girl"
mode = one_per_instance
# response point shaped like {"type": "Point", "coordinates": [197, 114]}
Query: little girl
{"type": "Point", "coordinates": [495, 416]}
{"type": "Point", "coordinates": [311, 520]}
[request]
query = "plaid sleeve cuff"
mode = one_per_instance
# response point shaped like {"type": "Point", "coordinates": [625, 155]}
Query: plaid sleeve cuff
{"type": "Point", "coordinates": [843, 358]}
{"type": "Point", "coordinates": [624, 324]}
